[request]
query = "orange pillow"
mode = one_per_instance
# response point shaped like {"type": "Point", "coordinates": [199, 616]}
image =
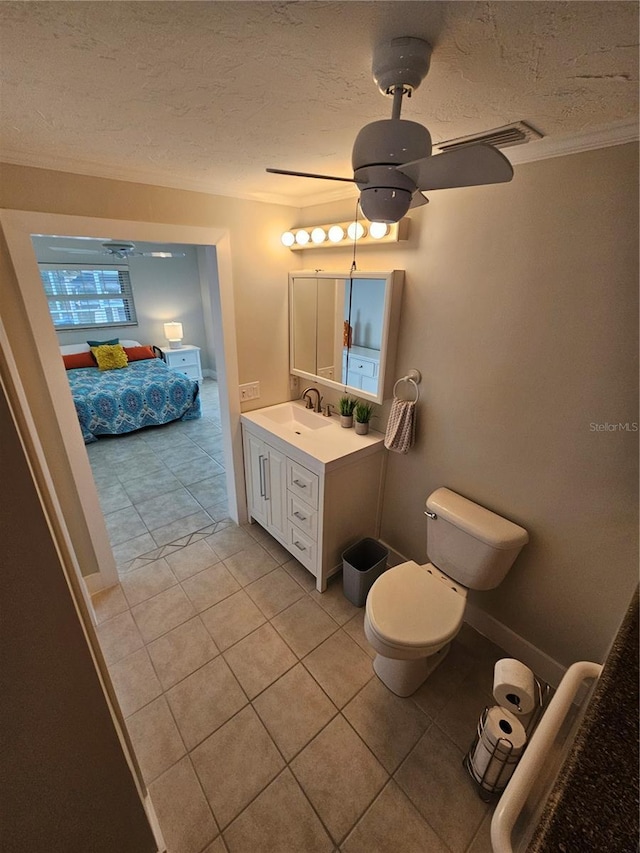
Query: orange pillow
{"type": "Point", "coordinates": [78, 359]}
{"type": "Point", "coordinates": [139, 353]}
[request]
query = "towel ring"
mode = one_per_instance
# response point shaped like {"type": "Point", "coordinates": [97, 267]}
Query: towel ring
{"type": "Point", "coordinates": [412, 377]}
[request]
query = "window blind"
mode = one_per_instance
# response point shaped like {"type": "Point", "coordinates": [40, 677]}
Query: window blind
{"type": "Point", "coordinates": [86, 296]}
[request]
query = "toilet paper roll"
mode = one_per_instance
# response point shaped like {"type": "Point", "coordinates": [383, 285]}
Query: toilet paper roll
{"type": "Point", "coordinates": [514, 686]}
{"type": "Point", "coordinates": [492, 771]}
{"type": "Point", "coordinates": [499, 748]}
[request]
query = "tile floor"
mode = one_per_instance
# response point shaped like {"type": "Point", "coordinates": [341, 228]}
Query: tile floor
{"type": "Point", "coordinates": [250, 699]}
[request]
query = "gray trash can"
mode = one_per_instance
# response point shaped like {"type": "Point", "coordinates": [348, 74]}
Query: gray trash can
{"type": "Point", "coordinates": [362, 564]}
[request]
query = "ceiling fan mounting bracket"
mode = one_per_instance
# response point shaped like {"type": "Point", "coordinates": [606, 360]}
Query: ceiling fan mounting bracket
{"type": "Point", "coordinates": [401, 63]}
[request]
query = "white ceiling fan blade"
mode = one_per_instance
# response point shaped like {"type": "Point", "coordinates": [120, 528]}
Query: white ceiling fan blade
{"type": "Point", "coordinates": [76, 251]}
{"type": "Point", "coordinates": [160, 254]}
{"type": "Point", "coordinates": [309, 175]}
{"type": "Point", "coordinates": [463, 167]}
{"type": "Point", "coordinates": [418, 200]}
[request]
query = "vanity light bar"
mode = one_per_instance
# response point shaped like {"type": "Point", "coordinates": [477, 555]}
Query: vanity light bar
{"type": "Point", "coordinates": [335, 235]}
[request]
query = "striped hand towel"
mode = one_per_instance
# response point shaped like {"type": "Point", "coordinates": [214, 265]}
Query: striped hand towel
{"type": "Point", "coordinates": [401, 426]}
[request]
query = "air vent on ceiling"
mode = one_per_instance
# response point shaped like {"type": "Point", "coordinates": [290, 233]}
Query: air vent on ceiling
{"type": "Point", "coordinates": [500, 137]}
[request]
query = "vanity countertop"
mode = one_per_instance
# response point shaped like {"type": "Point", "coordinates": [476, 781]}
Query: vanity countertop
{"type": "Point", "coordinates": [316, 441]}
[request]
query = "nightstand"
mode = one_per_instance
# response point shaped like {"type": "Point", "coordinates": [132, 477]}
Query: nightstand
{"type": "Point", "coordinates": [185, 360]}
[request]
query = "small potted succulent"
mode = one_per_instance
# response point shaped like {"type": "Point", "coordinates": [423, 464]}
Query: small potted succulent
{"type": "Point", "coordinates": [363, 412]}
{"type": "Point", "coordinates": [346, 406]}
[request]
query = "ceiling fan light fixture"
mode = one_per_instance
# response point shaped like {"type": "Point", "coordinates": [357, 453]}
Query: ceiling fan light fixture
{"type": "Point", "coordinates": [382, 204]}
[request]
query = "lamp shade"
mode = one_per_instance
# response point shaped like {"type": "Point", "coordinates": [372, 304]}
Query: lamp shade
{"type": "Point", "coordinates": [173, 333]}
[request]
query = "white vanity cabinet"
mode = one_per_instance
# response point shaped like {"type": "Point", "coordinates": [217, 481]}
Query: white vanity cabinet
{"type": "Point", "coordinates": [316, 505]}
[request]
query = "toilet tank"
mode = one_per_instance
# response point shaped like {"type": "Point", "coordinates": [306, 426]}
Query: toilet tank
{"type": "Point", "coordinates": [469, 543]}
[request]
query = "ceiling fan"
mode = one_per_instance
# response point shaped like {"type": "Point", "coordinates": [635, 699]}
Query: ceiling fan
{"type": "Point", "coordinates": [119, 250]}
{"type": "Point", "coordinates": [392, 160]}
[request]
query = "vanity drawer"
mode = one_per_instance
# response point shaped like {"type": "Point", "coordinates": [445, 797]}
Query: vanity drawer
{"type": "Point", "coordinates": [301, 514]}
{"type": "Point", "coordinates": [303, 548]}
{"type": "Point", "coordinates": [302, 483]}
{"type": "Point", "coordinates": [362, 367]}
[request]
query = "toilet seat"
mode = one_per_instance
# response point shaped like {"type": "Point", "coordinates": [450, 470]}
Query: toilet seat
{"type": "Point", "coordinates": [412, 607]}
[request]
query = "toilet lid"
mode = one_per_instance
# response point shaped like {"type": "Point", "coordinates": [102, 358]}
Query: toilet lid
{"type": "Point", "coordinates": [410, 606]}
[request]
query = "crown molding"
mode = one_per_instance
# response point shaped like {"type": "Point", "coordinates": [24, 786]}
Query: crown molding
{"type": "Point", "coordinates": [134, 176]}
{"type": "Point", "coordinates": [618, 133]}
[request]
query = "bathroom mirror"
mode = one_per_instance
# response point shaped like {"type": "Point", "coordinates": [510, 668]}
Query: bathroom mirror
{"type": "Point", "coordinates": [343, 329]}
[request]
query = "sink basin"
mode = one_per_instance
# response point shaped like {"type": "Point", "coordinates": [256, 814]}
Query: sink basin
{"type": "Point", "coordinates": [317, 442]}
{"type": "Point", "coordinates": [296, 418]}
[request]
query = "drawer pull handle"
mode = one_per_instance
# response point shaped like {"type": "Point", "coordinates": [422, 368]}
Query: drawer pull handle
{"type": "Point", "coordinates": [300, 516]}
{"type": "Point", "coordinates": [300, 484]}
{"type": "Point", "coordinates": [299, 546]}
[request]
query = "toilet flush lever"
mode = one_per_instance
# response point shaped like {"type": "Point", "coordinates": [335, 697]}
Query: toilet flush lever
{"type": "Point", "coordinates": [430, 514]}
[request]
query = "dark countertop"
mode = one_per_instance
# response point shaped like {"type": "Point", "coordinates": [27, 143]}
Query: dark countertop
{"type": "Point", "coordinates": [593, 806]}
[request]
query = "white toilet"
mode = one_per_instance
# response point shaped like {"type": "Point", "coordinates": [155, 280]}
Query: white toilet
{"type": "Point", "coordinates": [413, 612]}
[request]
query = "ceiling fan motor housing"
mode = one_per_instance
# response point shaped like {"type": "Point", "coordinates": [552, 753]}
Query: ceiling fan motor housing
{"type": "Point", "coordinates": [390, 141]}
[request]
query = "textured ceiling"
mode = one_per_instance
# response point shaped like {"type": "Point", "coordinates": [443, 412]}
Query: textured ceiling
{"type": "Point", "coordinates": [204, 95]}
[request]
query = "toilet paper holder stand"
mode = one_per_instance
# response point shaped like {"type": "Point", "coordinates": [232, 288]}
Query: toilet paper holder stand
{"type": "Point", "coordinates": [503, 759]}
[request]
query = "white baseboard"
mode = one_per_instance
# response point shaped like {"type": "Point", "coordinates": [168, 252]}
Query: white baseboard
{"type": "Point", "coordinates": [545, 667]}
{"type": "Point", "coordinates": [155, 825]}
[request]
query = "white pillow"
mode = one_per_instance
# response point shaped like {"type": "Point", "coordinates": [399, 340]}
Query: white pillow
{"type": "Point", "coordinates": [72, 349]}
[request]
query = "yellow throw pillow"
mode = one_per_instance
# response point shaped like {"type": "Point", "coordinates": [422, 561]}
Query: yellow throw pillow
{"type": "Point", "coordinates": [110, 357]}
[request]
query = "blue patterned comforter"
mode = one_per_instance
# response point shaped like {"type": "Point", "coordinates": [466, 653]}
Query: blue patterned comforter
{"type": "Point", "coordinates": [145, 393]}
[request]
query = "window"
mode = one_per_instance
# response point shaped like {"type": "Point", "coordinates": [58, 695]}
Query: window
{"type": "Point", "coordinates": [84, 296]}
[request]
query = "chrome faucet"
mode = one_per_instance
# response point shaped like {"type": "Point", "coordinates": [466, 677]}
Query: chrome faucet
{"type": "Point", "coordinates": [309, 405]}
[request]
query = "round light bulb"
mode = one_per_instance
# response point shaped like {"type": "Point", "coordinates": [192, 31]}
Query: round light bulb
{"type": "Point", "coordinates": [336, 233]}
{"type": "Point", "coordinates": [355, 231]}
{"type": "Point", "coordinates": [318, 235]}
{"type": "Point", "coordinates": [302, 237]}
{"type": "Point", "coordinates": [378, 230]}
{"type": "Point", "coordinates": [288, 239]}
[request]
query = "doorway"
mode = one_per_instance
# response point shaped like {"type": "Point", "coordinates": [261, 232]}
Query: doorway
{"type": "Point", "coordinates": [36, 354]}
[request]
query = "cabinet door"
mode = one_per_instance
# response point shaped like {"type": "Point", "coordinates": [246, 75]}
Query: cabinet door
{"type": "Point", "coordinates": [354, 379]}
{"type": "Point", "coordinates": [256, 469]}
{"type": "Point", "coordinates": [276, 490]}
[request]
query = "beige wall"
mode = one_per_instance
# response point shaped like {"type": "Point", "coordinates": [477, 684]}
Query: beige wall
{"type": "Point", "coordinates": [520, 309]}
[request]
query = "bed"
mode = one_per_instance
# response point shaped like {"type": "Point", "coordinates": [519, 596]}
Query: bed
{"type": "Point", "coordinates": [116, 401]}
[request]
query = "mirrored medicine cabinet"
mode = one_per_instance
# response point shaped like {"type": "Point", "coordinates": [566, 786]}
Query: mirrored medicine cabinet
{"type": "Point", "coordinates": [344, 329]}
